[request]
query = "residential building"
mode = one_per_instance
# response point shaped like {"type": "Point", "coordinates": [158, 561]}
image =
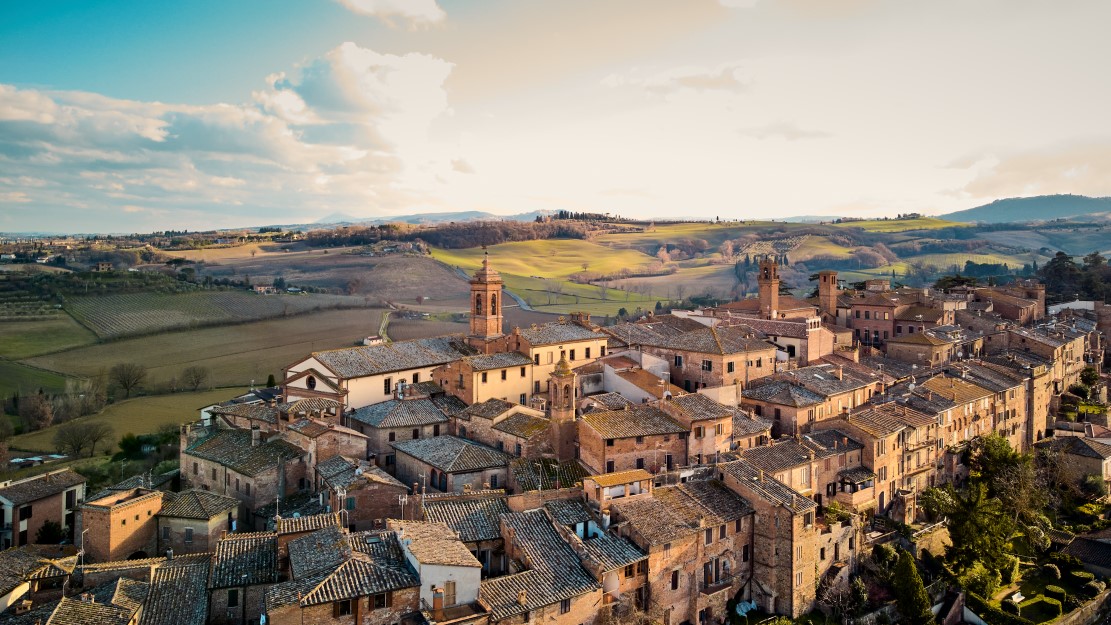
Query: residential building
{"type": "Point", "coordinates": [28, 503]}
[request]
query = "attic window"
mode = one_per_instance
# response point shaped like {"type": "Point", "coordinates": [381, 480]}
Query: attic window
{"type": "Point", "coordinates": [310, 382]}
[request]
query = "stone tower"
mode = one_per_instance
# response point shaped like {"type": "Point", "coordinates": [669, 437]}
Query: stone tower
{"type": "Point", "coordinates": [486, 317]}
{"type": "Point", "coordinates": [562, 410]}
{"type": "Point", "coordinates": [828, 292]}
{"type": "Point", "coordinates": [769, 287]}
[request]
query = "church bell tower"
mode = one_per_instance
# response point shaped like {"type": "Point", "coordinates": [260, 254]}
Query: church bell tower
{"type": "Point", "coordinates": [562, 411]}
{"type": "Point", "coordinates": [486, 301]}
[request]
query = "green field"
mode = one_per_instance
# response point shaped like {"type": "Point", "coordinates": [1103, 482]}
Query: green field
{"type": "Point", "coordinates": [22, 339]}
{"type": "Point", "coordinates": [552, 258]}
{"type": "Point", "coordinates": [142, 415]}
{"type": "Point", "coordinates": [135, 314]}
{"type": "Point", "coordinates": [19, 378]}
{"type": "Point", "coordinates": [234, 354]}
{"type": "Point", "coordinates": [901, 225]}
{"type": "Point", "coordinates": [818, 246]}
{"type": "Point", "coordinates": [944, 261]}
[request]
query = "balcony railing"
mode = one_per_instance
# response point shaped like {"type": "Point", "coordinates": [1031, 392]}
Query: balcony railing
{"type": "Point", "coordinates": [723, 582]}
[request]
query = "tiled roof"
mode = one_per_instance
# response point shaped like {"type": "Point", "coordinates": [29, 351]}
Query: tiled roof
{"type": "Point", "coordinates": [487, 362]}
{"type": "Point", "coordinates": [783, 393]}
{"type": "Point", "coordinates": [653, 519]}
{"type": "Point", "coordinates": [703, 503]}
{"type": "Point", "coordinates": [609, 401]}
{"type": "Point", "coordinates": [878, 420]}
{"type": "Point", "coordinates": [747, 425]}
{"type": "Point", "coordinates": [245, 560]}
{"type": "Point", "coordinates": [782, 455]}
{"type": "Point", "coordinates": [178, 596]}
{"type": "Point", "coordinates": [356, 362]}
{"type": "Point", "coordinates": [434, 543]}
{"type": "Point", "coordinates": [767, 487]}
{"type": "Point", "coordinates": [856, 475]}
{"type": "Point", "coordinates": [401, 413]}
{"type": "Point", "coordinates": [21, 564]}
{"type": "Point", "coordinates": [553, 333]}
{"type": "Point", "coordinates": [338, 472]}
{"type": "Point", "coordinates": [453, 455]}
{"type": "Point", "coordinates": [612, 552]}
{"type": "Point", "coordinates": [256, 411]}
{"type": "Point", "coordinates": [929, 315]}
{"type": "Point", "coordinates": [307, 523]}
{"type": "Point", "coordinates": [825, 381]}
{"type": "Point", "coordinates": [621, 477]}
{"type": "Point", "coordinates": [35, 488]}
{"type": "Point", "coordinates": [522, 425]}
{"type": "Point", "coordinates": [956, 390]}
{"type": "Point", "coordinates": [318, 551]}
{"type": "Point", "coordinates": [310, 428]}
{"type": "Point", "coordinates": [137, 481]}
{"type": "Point", "coordinates": [311, 405]}
{"type": "Point", "coordinates": [637, 420]}
{"type": "Point", "coordinates": [720, 341]}
{"type": "Point", "coordinates": [568, 511]}
{"type": "Point", "coordinates": [1077, 446]}
{"type": "Point", "coordinates": [233, 449]}
{"type": "Point", "coordinates": [473, 519]}
{"type": "Point", "coordinates": [555, 572]}
{"type": "Point", "coordinates": [1093, 552]}
{"type": "Point", "coordinates": [375, 566]}
{"type": "Point", "coordinates": [488, 409]}
{"type": "Point", "coordinates": [921, 338]}
{"type": "Point", "coordinates": [196, 504]}
{"type": "Point", "coordinates": [826, 443]}
{"type": "Point", "coordinates": [699, 407]}
{"type": "Point", "coordinates": [77, 612]}
{"type": "Point", "coordinates": [545, 473]}
{"type": "Point", "coordinates": [649, 382]}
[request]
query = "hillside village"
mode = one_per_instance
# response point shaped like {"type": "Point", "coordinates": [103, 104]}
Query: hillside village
{"type": "Point", "coordinates": [747, 458]}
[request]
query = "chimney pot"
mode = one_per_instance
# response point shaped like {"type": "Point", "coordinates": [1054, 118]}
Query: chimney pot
{"type": "Point", "coordinates": [522, 597]}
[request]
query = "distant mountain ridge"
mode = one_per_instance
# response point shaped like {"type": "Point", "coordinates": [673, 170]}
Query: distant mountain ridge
{"type": "Point", "coordinates": [1037, 208]}
{"type": "Point", "coordinates": [429, 218]}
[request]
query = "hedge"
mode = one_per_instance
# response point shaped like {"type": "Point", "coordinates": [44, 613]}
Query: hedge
{"type": "Point", "coordinates": [1082, 576]}
{"type": "Point", "coordinates": [1093, 588]}
{"type": "Point", "coordinates": [1052, 570]}
{"type": "Point", "coordinates": [1053, 602]}
{"type": "Point", "coordinates": [991, 614]}
{"type": "Point", "coordinates": [1010, 607]}
{"type": "Point", "coordinates": [1055, 592]}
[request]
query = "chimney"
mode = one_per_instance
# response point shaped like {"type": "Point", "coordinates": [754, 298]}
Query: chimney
{"type": "Point", "coordinates": [844, 441]}
{"type": "Point", "coordinates": [522, 597]}
{"type": "Point", "coordinates": [839, 372]}
{"type": "Point", "coordinates": [761, 473]}
{"type": "Point", "coordinates": [169, 554]}
{"type": "Point", "coordinates": [256, 436]}
{"type": "Point", "coordinates": [438, 604]}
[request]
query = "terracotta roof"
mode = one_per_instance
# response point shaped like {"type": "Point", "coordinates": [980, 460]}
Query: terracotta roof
{"type": "Point", "coordinates": [704, 503]}
{"type": "Point", "coordinates": [620, 477]}
{"type": "Point", "coordinates": [487, 362]}
{"type": "Point", "coordinates": [1077, 446]}
{"type": "Point", "coordinates": [338, 472]}
{"type": "Point", "coordinates": [745, 424]}
{"type": "Point", "coordinates": [318, 551]}
{"type": "Point", "coordinates": [522, 425]}
{"type": "Point", "coordinates": [356, 362]}
{"type": "Point", "coordinates": [453, 455]}
{"type": "Point", "coordinates": [766, 486]}
{"type": "Point", "coordinates": [307, 523]}
{"type": "Point", "coordinates": [649, 382]}
{"type": "Point", "coordinates": [255, 411]}
{"type": "Point", "coordinates": [35, 488]}
{"type": "Point", "coordinates": [698, 407]}
{"type": "Point", "coordinates": [488, 409]}
{"type": "Point", "coordinates": [612, 552]}
{"type": "Point", "coordinates": [556, 332]}
{"type": "Point", "coordinates": [20, 564]}
{"type": "Point", "coordinates": [783, 393]}
{"type": "Point", "coordinates": [245, 560]}
{"type": "Point", "coordinates": [956, 390]}
{"type": "Point", "coordinates": [656, 521]}
{"type": "Point", "coordinates": [637, 420]}
{"type": "Point", "coordinates": [409, 412]}
{"type": "Point", "coordinates": [609, 401]}
{"type": "Point", "coordinates": [474, 519]}
{"type": "Point", "coordinates": [701, 339]}
{"type": "Point", "coordinates": [178, 596]}
{"type": "Point", "coordinates": [233, 449]}
{"type": "Point", "coordinates": [555, 572]}
{"type": "Point", "coordinates": [568, 511]}
{"type": "Point", "coordinates": [434, 543]}
{"type": "Point", "coordinates": [196, 504]}
{"type": "Point", "coordinates": [783, 454]}
{"type": "Point", "coordinates": [545, 473]}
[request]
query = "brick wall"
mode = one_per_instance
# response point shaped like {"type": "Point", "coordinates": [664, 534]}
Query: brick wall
{"type": "Point", "coordinates": [401, 602]}
{"type": "Point", "coordinates": [116, 531]}
{"type": "Point", "coordinates": [624, 452]}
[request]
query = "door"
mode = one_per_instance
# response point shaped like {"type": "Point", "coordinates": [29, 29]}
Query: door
{"type": "Point", "coordinates": [449, 594]}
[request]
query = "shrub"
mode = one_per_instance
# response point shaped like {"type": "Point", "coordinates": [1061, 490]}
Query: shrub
{"type": "Point", "coordinates": [1009, 572]}
{"type": "Point", "coordinates": [1053, 604]}
{"type": "Point", "coordinates": [1055, 591]}
{"type": "Point", "coordinates": [992, 614]}
{"type": "Point", "coordinates": [1081, 577]}
{"type": "Point", "coordinates": [980, 580]}
{"type": "Point", "coordinates": [1093, 588]}
{"type": "Point", "coordinates": [1052, 571]}
{"type": "Point", "coordinates": [1072, 602]}
{"type": "Point", "coordinates": [1064, 559]}
{"type": "Point", "coordinates": [1010, 607]}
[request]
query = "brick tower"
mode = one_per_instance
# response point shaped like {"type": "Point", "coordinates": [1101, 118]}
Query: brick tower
{"type": "Point", "coordinates": [486, 317]}
{"type": "Point", "coordinates": [562, 410]}
{"type": "Point", "coordinates": [828, 292]}
{"type": "Point", "coordinates": [768, 281]}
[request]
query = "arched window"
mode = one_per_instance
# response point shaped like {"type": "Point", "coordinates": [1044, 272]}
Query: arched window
{"type": "Point", "coordinates": [310, 382]}
{"type": "Point", "coordinates": [494, 304]}
{"type": "Point", "coordinates": [567, 395]}
{"type": "Point", "coordinates": [478, 304]}
{"type": "Point", "coordinates": [443, 482]}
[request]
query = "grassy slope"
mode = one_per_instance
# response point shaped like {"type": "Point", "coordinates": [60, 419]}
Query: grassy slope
{"type": "Point", "coordinates": [15, 377]}
{"type": "Point", "coordinates": [22, 339]}
{"type": "Point", "coordinates": [552, 258]}
{"type": "Point", "coordinates": [234, 354]}
{"type": "Point", "coordinates": [901, 225]}
{"type": "Point", "coordinates": [141, 415]}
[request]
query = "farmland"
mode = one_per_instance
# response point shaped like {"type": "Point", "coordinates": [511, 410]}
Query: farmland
{"type": "Point", "coordinates": [23, 339]}
{"type": "Point", "coordinates": [901, 225]}
{"type": "Point", "coordinates": [142, 415]}
{"type": "Point", "coordinates": [234, 354]}
{"type": "Point", "coordinates": [19, 378]}
{"type": "Point", "coordinates": [135, 314]}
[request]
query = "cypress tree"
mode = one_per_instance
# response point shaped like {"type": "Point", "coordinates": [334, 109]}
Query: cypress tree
{"type": "Point", "coordinates": [910, 593]}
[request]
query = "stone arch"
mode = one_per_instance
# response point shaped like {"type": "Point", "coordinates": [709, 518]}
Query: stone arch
{"type": "Point", "coordinates": [478, 304]}
{"type": "Point", "coordinates": [493, 303]}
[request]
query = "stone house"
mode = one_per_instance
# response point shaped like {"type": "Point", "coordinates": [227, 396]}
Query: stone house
{"type": "Point", "coordinates": [639, 437]}
{"type": "Point", "coordinates": [244, 567]}
{"type": "Point", "coordinates": [710, 425]}
{"type": "Point", "coordinates": [323, 440]}
{"type": "Point", "coordinates": [416, 414]}
{"type": "Point", "coordinates": [474, 518]}
{"type": "Point", "coordinates": [192, 521]}
{"type": "Point", "coordinates": [367, 494]}
{"type": "Point", "coordinates": [26, 504]}
{"type": "Point", "coordinates": [812, 464]}
{"type": "Point", "coordinates": [795, 400]}
{"type": "Point", "coordinates": [449, 573]}
{"type": "Point", "coordinates": [450, 464]}
{"type": "Point", "coordinates": [508, 376]}
{"type": "Point", "coordinates": [512, 428]}
{"type": "Point", "coordinates": [1087, 455]}
{"type": "Point", "coordinates": [121, 525]}
{"type": "Point", "coordinates": [546, 344]}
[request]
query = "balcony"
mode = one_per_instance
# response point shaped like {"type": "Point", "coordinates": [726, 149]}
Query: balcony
{"type": "Point", "coordinates": [724, 582]}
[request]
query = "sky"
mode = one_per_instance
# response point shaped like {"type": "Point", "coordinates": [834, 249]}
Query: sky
{"type": "Point", "coordinates": [134, 116]}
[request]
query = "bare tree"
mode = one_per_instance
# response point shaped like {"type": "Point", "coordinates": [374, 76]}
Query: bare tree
{"type": "Point", "coordinates": [603, 291]}
{"type": "Point", "coordinates": [194, 377]}
{"type": "Point", "coordinates": [70, 439]}
{"type": "Point", "coordinates": [128, 376]}
{"type": "Point", "coordinates": [36, 412]}
{"type": "Point", "coordinates": [96, 432]}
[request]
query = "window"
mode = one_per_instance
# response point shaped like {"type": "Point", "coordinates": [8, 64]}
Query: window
{"type": "Point", "coordinates": [609, 466]}
{"type": "Point", "coordinates": [699, 431]}
{"type": "Point", "coordinates": [730, 367]}
{"type": "Point", "coordinates": [517, 449]}
{"type": "Point", "coordinates": [195, 468]}
{"type": "Point", "coordinates": [522, 375]}
{"type": "Point", "coordinates": [522, 399]}
{"type": "Point", "coordinates": [350, 503]}
{"type": "Point", "coordinates": [213, 472]}
{"type": "Point", "coordinates": [342, 608]}
{"type": "Point", "coordinates": [233, 598]}
{"type": "Point", "coordinates": [737, 526]}
{"type": "Point", "coordinates": [247, 488]}
{"type": "Point", "coordinates": [852, 544]}
{"type": "Point", "coordinates": [867, 314]}
{"type": "Point", "coordinates": [165, 533]}
{"type": "Point", "coordinates": [798, 579]}
{"type": "Point", "coordinates": [721, 532]}
{"type": "Point", "coordinates": [436, 430]}
{"type": "Point", "coordinates": [630, 570]}
{"type": "Point", "coordinates": [707, 365]}
{"type": "Point", "coordinates": [709, 535]}
{"type": "Point", "coordinates": [237, 485]}
{"type": "Point", "coordinates": [504, 373]}
{"type": "Point", "coordinates": [391, 437]}
{"type": "Point", "coordinates": [24, 513]}
{"type": "Point", "coordinates": [719, 429]}
{"type": "Point", "coordinates": [667, 550]}
{"type": "Point", "coordinates": [640, 440]}
{"type": "Point", "coordinates": [586, 353]}
{"type": "Point", "coordinates": [381, 600]}
{"type": "Point", "coordinates": [536, 386]}
{"type": "Point", "coordinates": [609, 442]}
{"type": "Point", "coordinates": [744, 553]}
{"type": "Point", "coordinates": [678, 361]}
{"type": "Point", "coordinates": [603, 350]}
{"type": "Point", "coordinates": [822, 553]}
{"type": "Point", "coordinates": [565, 606]}
{"type": "Point", "coordinates": [493, 481]}
{"type": "Point", "coordinates": [390, 458]}
{"type": "Point", "coordinates": [640, 463]}
{"type": "Point", "coordinates": [123, 521]}
{"type": "Point", "coordinates": [484, 377]}
{"type": "Point", "coordinates": [416, 433]}
{"type": "Point", "coordinates": [778, 413]}
{"type": "Point", "coordinates": [572, 355]}
{"type": "Point", "coordinates": [416, 378]}
{"type": "Point", "coordinates": [387, 386]}
{"type": "Point", "coordinates": [536, 359]}
{"type": "Point", "coordinates": [675, 580]}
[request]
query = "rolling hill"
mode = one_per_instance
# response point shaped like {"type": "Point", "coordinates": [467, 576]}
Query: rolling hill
{"type": "Point", "coordinates": [1038, 208]}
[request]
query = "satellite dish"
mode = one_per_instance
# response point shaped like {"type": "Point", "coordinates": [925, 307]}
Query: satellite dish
{"type": "Point", "coordinates": [359, 471]}
{"type": "Point", "coordinates": [911, 386]}
{"type": "Point", "coordinates": [296, 515]}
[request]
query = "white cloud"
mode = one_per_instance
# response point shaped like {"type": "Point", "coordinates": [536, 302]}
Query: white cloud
{"type": "Point", "coordinates": [414, 12]}
{"type": "Point", "coordinates": [788, 131]}
{"type": "Point", "coordinates": [729, 77]}
{"type": "Point", "coordinates": [1082, 167]}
